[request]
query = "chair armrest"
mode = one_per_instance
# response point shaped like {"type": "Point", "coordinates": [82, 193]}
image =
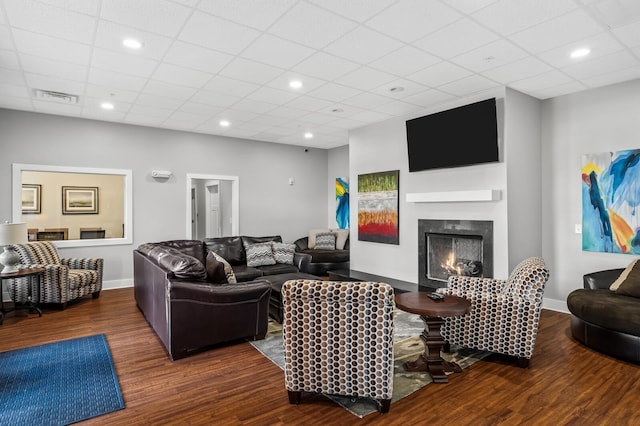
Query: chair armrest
{"type": "Point", "coordinates": [302, 261]}
{"type": "Point", "coordinates": [83, 263]}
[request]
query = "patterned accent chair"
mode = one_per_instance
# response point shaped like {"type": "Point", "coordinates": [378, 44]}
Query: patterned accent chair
{"type": "Point", "coordinates": [338, 339]}
{"type": "Point", "coordinates": [64, 279]}
{"type": "Point", "coordinates": [504, 313]}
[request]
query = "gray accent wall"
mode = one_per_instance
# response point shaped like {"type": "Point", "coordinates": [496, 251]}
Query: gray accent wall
{"type": "Point", "coordinates": [268, 204]}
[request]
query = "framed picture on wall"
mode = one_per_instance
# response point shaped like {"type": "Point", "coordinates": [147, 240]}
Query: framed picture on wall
{"type": "Point", "coordinates": [378, 207]}
{"type": "Point", "coordinates": [31, 198]}
{"type": "Point", "coordinates": [79, 200]}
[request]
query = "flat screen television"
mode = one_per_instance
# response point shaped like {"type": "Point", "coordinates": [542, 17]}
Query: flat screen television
{"type": "Point", "coordinates": [456, 137]}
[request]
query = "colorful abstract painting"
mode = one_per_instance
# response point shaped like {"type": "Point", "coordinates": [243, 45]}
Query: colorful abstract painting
{"type": "Point", "coordinates": [610, 201]}
{"type": "Point", "coordinates": [378, 207]}
{"type": "Point", "coordinates": [342, 203]}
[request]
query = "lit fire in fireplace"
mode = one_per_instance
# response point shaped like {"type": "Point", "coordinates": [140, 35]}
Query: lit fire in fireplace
{"type": "Point", "coordinates": [469, 268]}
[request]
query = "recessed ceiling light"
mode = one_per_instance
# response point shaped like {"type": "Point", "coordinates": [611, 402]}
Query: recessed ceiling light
{"type": "Point", "coordinates": [224, 123]}
{"type": "Point", "coordinates": [579, 53]}
{"type": "Point", "coordinates": [107, 105]}
{"type": "Point", "coordinates": [132, 43]}
{"type": "Point", "coordinates": [295, 84]}
{"type": "Point", "coordinates": [308, 135]}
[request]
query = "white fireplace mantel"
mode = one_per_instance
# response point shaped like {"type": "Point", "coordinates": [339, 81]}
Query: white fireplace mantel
{"type": "Point", "coordinates": [454, 196]}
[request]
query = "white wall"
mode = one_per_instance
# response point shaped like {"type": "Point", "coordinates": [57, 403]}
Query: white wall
{"type": "Point", "coordinates": [592, 121]}
{"type": "Point", "coordinates": [268, 204]}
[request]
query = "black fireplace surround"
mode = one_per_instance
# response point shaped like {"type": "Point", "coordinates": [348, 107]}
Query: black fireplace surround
{"type": "Point", "coordinates": [474, 235]}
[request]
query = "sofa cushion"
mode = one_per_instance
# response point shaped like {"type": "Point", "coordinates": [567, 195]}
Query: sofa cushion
{"type": "Point", "coordinates": [278, 268]}
{"type": "Point", "coordinates": [606, 309]}
{"type": "Point", "coordinates": [260, 254]}
{"type": "Point", "coordinates": [628, 277]}
{"type": "Point", "coordinates": [283, 252]}
{"type": "Point", "coordinates": [180, 264]}
{"type": "Point", "coordinates": [193, 248]}
{"type": "Point", "coordinates": [245, 273]}
{"type": "Point", "coordinates": [228, 270]}
{"type": "Point", "coordinates": [247, 241]}
{"type": "Point", "coordinates": [229, 248]}
{"type": "Point", "coordinates": [328, 256]}
{"type": "Point", "coordinates": [215, 270]}
{"type": "Point", "coordinates": [342, 235]}
{"type": "Point", "coordinates": [325, 241]}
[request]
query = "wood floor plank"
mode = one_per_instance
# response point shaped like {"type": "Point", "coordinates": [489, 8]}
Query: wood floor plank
{"type": "Point", "coordinates": [234, 384]}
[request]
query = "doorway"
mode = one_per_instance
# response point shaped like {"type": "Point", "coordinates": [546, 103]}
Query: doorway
{"type": "Point", "coordinates": [213, 206]}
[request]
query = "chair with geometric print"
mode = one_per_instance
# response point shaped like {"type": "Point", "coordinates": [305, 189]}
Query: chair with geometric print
{"type": "Point", "coordinates": [504, 313]}
{"type": "Point", "coordinates": [338, 339]}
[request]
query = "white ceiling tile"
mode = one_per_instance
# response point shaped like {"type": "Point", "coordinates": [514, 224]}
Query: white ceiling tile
{"type": "Point", "coordinates": [14, 90]}
{"type": "Point", "coordinates": [88, 7]}
{"type": "Point", "coordinates": [556, 32]}
{"type": "Point", "coordinates": [370, 116]}
{"type": "Point", "coordinates": [254, 106]}
{"type": "Point", "coordinates": [230, 86]}
{"type": "Point", "coordinates": [174, 124]}
{"type": "Point", "coordinates": [492, 55]}
{"type": "Point", "coordinates": [97, 113]}
{"type": "Point", "coordinates": [428, 98]}
{"type": "Point", "coordinates": [309, 103]}
{"type": "Point", "coordinates": [123, 63]}
{"type": "Point", "coordinates": [237, 116]}
{"type": "Point", "coordinates": [510, 16]}
{"type": "Point", "coordinates": [11, 76]}
{"type": "Point", "coordinates": [559, 90]}
{"type": "Point", "coordinates": [342, 111]}
{"type": "Point", "coordinates": [3, 18]}
{"type": "Point", "coordinates": [6, 41]}
{"type": "Point", "coordinates": [199, 108]}
{"type": "Point", "coordinates": [600, 45]}
{"type": "Point", "coordinates": [150, 111]}
{"type": "Point", "coordinates": [399, 89]}
{"type": "Point", "coordinates": [363, 45]}
{"type": "Point", "coordinates": [318, 118]}
{"type": "Point", "coordinates": [158, 101]}
{"type": "Point", "coordinates": [404, 61]}
{"type": "Point", "coordinates": [189, 117]}
{"type": "Point", "coordinates": [438, 74]}
{"type": "Point", "coordinates": [308, 83]}
{"type": "Point", "coordinates": [156, 16]}
{"type": "Point", "coordinates": [469, 6]}
{"type": "Point", "coordinates": [325, 66]}
{"type": "Point", "coordinates": [334, 92]}
{"type": "Point", "coordinates": [367, 100]}
{"type": "Point", "coordinates": [12, 102]}
{"type": "Point", "coordinates": [358, 10]}
{"type": "Point", "coordinates": [190, 3]}
{"type": "Point", "coordinates": [275, 51]}
{"type": "Point", "coordinates": [271, 120]}
{"type": "Point", "coordinates": [48, 20]}
{"type": "Point", "coordinates": [175, 74]}
{"type": "Point", "coordinates": [143, 119]}
{"type": "Point", "coordinates": [9, 59]}
{"type": "Point", "coordinates": [517, 70]}
{"type": "Point", "coordinates": [215, 99]}
{"type": "Point", "coordinates": [613, 77]}
{"type": "Point", "coordinates": [163, 88]}
{"type": "Point", "coordinates": [286, 112]}
{"type": "Point", "coordinates": [57, 108]}
{"type": "Point", "coordinates": [110, 36]}
{"type": "Point", "coordinates": [615, 13]}
{"type": "Point", "coordinates": [44, 66]}
{"type": "Point", "coordinates": [254, 13]}
{"type": "Point", "coordinates": [542, 81]}
{"type": "Point", "coordinates": [116, 80]}
{"type": "Point", "coordinates": [53, 48]}
{"type": "Point", "coordinates": [311, 26]}
{"type": "Point", "coordinates": [629, 34]}
{"type": "Point", "coordinates": [250, 71]}
{"type": "Point", "coordinates": [274, 96]}
{"type": "Point", "coordinates": [459, 37]}
{"type": "Point", "coordinates": [217, 34]}
{"type": "Point", "coordinates": [606, 64]}
{"type": "Point", "coordinates": [365, 78]}
{"type": "Point", "coordinates": [93, 103]}
{"type": "Point", "coordinates": [111, 93]}
{"type": "Point", "coordinates": [410, 20]}
{"type": "Point", "coordinates": [37, 81]}
{"type": "Point", "coordinates": [347, 123]}
{"type": "Point", "coordinates": [468, 85]}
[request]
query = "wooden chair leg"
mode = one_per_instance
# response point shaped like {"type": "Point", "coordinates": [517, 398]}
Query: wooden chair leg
{"type": "Point", "coordinates": [294, 397]}
{"type": "Point", "coordinates": [523, 362]}
{"type": "Point", "coordinates": [384, 405]}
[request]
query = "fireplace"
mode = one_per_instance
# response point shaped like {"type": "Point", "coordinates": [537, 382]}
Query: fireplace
{"type": "Point", "coordinates": [453, 247]}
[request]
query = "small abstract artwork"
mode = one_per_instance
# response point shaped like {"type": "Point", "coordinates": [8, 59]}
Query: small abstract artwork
{"type": "Point", "coordinates": [378, 207]}
{"type": "Point", "coordinates": [79, 200]}
{"type": "Point", "coordinates": [610, 202]}
{"type": "Point", "coordinates": [342, 203]}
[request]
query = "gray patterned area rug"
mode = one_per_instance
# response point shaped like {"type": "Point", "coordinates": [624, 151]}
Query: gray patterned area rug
{"type": "Point", "coordinates": [407, 347]}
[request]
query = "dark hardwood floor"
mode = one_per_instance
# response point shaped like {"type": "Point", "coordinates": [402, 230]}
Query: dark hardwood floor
{"type": "Point", "coordinates": [566, 383]}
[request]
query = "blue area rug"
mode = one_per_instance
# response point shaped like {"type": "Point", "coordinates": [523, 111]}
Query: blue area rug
{"type": "Point", "coordinates": [58, 383]}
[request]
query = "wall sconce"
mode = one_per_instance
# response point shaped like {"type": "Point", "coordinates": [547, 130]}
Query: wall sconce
{"type": "Point", "coordinates": [161, 174]}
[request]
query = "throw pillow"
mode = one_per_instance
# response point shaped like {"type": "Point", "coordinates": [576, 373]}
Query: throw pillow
{"type": "Point", "coordinates": [311, 243]}
{"type": "Point", "coordinates": [628, 283]}
{"type": "Point", "coordinates": [215, 270]}
{"type": "Point", "coordinates": [283, 253]}
{"type": "Point", "coordinates": [182, 265]}
{"type": "Point", "coordinates": [260, 254]}
{"type": "Point", "coordinates": [228, 270]}
{"type": "Point", "coordinates": [326, 241]}
{"type": "Point", "coordinates": [341, 238]}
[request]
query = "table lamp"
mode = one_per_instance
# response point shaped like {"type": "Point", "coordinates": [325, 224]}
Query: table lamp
{"type": "Point", "coordinates": [10, 234]}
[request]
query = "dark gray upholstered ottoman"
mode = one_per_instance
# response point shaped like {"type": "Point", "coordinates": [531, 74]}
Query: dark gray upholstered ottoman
{"type": "Point", "coordinates": [275, 302]}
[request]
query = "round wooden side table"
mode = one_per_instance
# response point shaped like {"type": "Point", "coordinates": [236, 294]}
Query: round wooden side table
{"type": "Point", "coordinates": [432, 313]}
{"type": "Point", "coordinates": [33, 274]}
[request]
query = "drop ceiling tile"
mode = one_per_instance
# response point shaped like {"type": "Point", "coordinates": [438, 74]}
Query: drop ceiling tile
{"type": "Point", "coordinates": [6, 41]}
{"type": "Point", "coordinates": [468, 85]}
{"type": "Point", "coordinates": [619, 76]}
{"type": "Point", "coordinates": [97, 113]}
{"type": "Point", "coordinates": [11, 76]}
{"type": "Point", "coordinates": [629, 34]}
{"type": "Point", "coordinates": [175, 124]}
{"type": "Point", "coordinates": [123, 63]}
{"type": "Point", "coordinates": [250, 71]}
{"type": "Point", "coordinates": [367, 100]}
{"type": "Point", "coordinates": [175, 74]}
{"type": "Point", "coordinates": [93, 103]}
{"type": "Point", "coordinates": [254, 106]}
{"type": "Point", "coordinates": [325, 66]}
{"type": "Point", "coordinates": [110, 36]}
{"type": "Point", "coordinates": [469, 6]}
{"type": "Point", "coordinates": [600, 45]}
{"type": "Point", "coordinates": [347, 123]}
{"type": "Point", "coordinates": [189, 117]}
{"type": "Point", "coordinates": [396, 108]}
{"type": "Point", "coordinates": [309, 103]}
{"type": "Point", "coordinates": [12, 102]}
{"type": "Point", "coordinates": [57, 108]}
{"type": "Point", "coordinates": [88, 7]}
{"type": "Point", "coordinates": [429, 98]}
{"type": "Point", "coordinates": [606, 64]}
{"type": "Point", "coordinates": [542, 81]}
{"type": "Point", "coordinates": [271, 120]}
{"type": "Point", "coordinates": [116, 80]}
{"type": "Point", "coordinates": [358, 10]}
{"type": "Point", "coordinates": [614, 13]}
{"type": "Point", "coordinates": [492, 55]}
{"type": "Point", "coordinates": [150, 111]}
{"type": "Point", "coordinates": [217, 34]}
{"type": "Point", "coordinates": [37, 81]}
{"type": "Point", "coordinates": [200, 108]}
{"type": "Point", "coordinates": [365, 78]}
{"type": "Point", "coordinates": [370, 117]}
{"type": "Point", "coordinates": [158, 101]}
{"type": "Point", "coordinates": [508, 17]}
{"type": "Point", "coordinates": [311, 26]}
{"type": "Point", "coordinates": [143, 119]}
{"type": "Point", "coordinates": [334, 92]}
{"type": "Point", "coordinates": [275, 51]}
{"type": "Point", "coordinates": [341, 110]}
{"type": "Point", "coordinates": [564, 29]}
{"type": "Point", "coordinates": [9, 59]}
{"type": "Point", "coordinates": [399, 89]}
{"type": "Point", "coordinates": [559, 90]}
{"type": "Point", "coordinates": [230, 86]}
{"type": "Point", "coordinates": [52, 48]}
{"type": "Point", "coordinates": [404, 61]}
{"type": "Point", "coordinates": [116, 95]}
{"type": "Point", "coordinates": [518, 70]}
{"type": "Point", "coordinates": [214, 99]}
{"type": "Point", "coordinates": [14, 90]}
{"type": "Point", "coordinates": [190, 3]}
{"type": "Point", "coordinates": [308, 83]}
{"type": "Point", "coordinates": [156, 16]}
{"type": "Point", "coordinates": [163, 88]}
{"type": "Point", "coordinates": [274, 96]}
{"type": "Point", "coordinates": [39, 65]}
{"type": "Point", "coordinates": [286, 112]}
{"type": "Point", "coordinates": [258, 14]}
{"type": "Point", "coordinates": [459, 37]}
{"type": "Point", "coordinates": [439, 74]}
{"type": "Point", "coordinates": [363, 45]}
{"type": "Point", "coordinates": [3, 18]}
{"type": "Point", "coordinates": [318, 118]}
{"type": "Point", "coordinates": [48, 20]}
{"type": "Point", "coordinates": [237, 116]}
{"type": "Point", "coordinates": [410, 20]}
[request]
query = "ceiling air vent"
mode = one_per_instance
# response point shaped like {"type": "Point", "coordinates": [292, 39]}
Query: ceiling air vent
{"type": "Point", "coordinates": [60, 97]}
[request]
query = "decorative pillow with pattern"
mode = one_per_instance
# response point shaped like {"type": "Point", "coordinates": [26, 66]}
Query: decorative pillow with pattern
{"type": "Point", "coordinates": [228, 270]}
{"type": "Point", "coordinates": [260, 254]}
{"type": "Point", "coordinates": [283, 252]}
{"type": "Point", "coordinates": [326, 241]}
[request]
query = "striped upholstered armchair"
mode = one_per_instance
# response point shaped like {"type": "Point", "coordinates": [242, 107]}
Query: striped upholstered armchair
{"type": "Point", "coordinates": [504, 313]}
{"type": "Point", "coordinates": [64, 279]}
{"type": "Point", "coordinates": [338, 339]}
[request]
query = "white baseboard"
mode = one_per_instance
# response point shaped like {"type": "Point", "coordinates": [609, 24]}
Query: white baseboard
{"type": "Point", "coordinates": [555, 305]}
{"type": "Point", "coordinates": [110, 285]}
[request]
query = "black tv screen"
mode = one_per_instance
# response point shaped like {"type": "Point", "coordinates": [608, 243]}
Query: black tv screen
{"type": "Point", "coordinates": [453, 138]}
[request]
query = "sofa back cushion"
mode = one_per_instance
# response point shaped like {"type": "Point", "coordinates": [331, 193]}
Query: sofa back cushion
{"type": "Point", "coordinates": [40, 252]}
{"type": "Point", "coordinates": [229, 248]}
{"type": "Point", "coordinates": [180, 264]}
{"type": "Point", "coordinates": [260, 254]}
{"type": "Point", "coordinates": [194, 248]}
{"type": "Point", "coordinates": [247, 241]}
